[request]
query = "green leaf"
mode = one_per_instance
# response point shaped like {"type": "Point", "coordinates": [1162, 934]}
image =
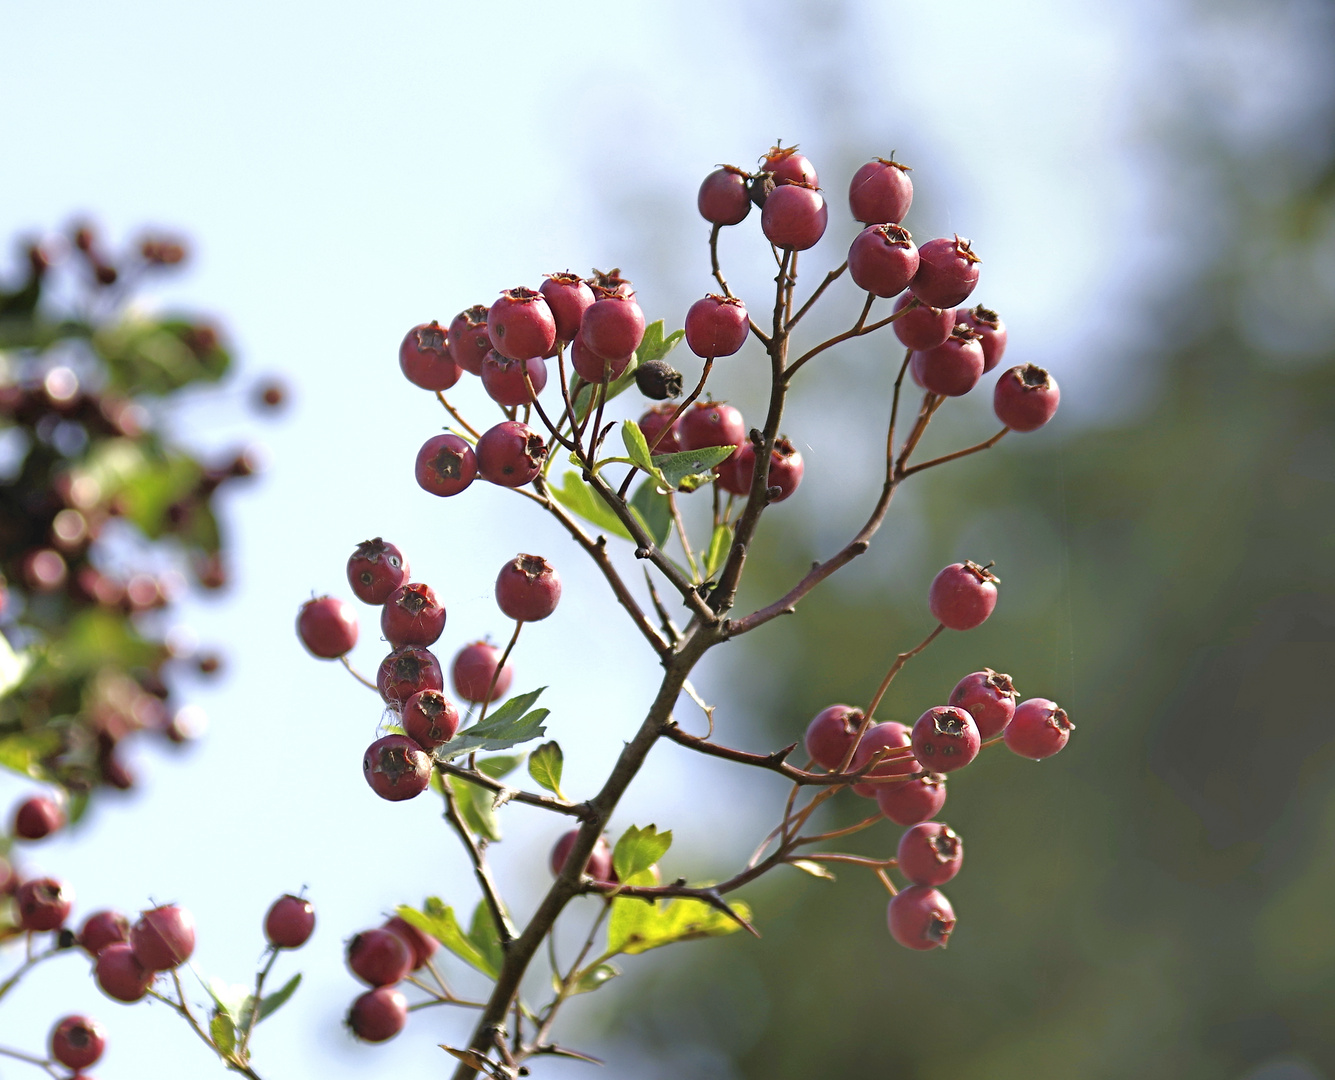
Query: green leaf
{"type": "Point", "coordinates": [654, 346]}
{"type": "Point", "coordinates": [592, 978]}
{"type": "Point", "coordinates": [271, 1003]}
{"type": "Point", "coordinates": [438, 920]}
{"type": "Point", "coordinates": [476, 807]}
{"type": "Point", "coordinates": [719, 546]}
{"type": "Point", "coordinates": [484, 936]}
{"type": "Point", "coordinates": [545, 765]}
{"type": "Point", "coordinates": [500, 765]}
{"type": "Point", "coordinates": [637, 926]}
{"type": "Point", "coordinates": [638, 849]}
{"type": "Point", "coordinates": [230, 999]}
{"type": "Point", "coordinates": [577, 497]}
{"type": "Point", "coordinates": [650, 507]}
{"type": "Point", "coordinates": [813, 868]}
{"type": "Point", "coordinates": [13, 666]}
{"type": "Point", "coordinates": [677, 468]}
{"type": "Point", "coordinates": [222, 1029]}
{"type": "Point", "coordinates": [636, 447]}
{"type": "Point", "coordinates": [23, 753]}
{"type": "Point", "coordinates": [509, 725]}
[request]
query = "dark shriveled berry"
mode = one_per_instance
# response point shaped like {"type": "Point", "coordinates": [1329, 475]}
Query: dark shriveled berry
{"type": "Point", "coordinates": [1038, 729]}
{"type": "Point", "coordinates": [412, 616]}
{"type": "Point", "coordinates": [396, 768]}
{"type": "Point", "coordinates": [430, 719]}
{"type": "Point", "coordinates": [945, 738]}
{"type": "Point", "coordinates": [930, 853]}
{"type": "Point", "coordinates": [473, 669]}
{"type": "Point", "coordinates": [830, 734]}
{"type": "Point", "coordinates": [376, 569]}
{"type": "Point", "coordinates": [920, 918]}
{"type": "Point", "coordinates": [38, 817]}
{"type": "Point", "coordinates": [43, 904]}
{"type": "Point", "coordinates": [1026, 398]}
{"type": "Point", "coordinates": [406, 671]}
{"type": "Point", "coordinates": [723, 198]}
{"type": "Point", "coordinates": [657, 380]}
{"type": "Point", "coordinates": [289, 922]}
{"type": "Point", "coordinates": [379, 957]}
{"type": "Point", "coordinates": [989, 697]}
{"type": "Point", "coordinates": [880, 191]}
{"type": "Point", "coordinates": [795, 216]}
{"type": "Point", "coordinates": [424, 358]}
{"type": "Point", "coordinates": [445, 465]}
{"type": "Point", "coordinates": [947, 272]}
{"type": "Point", "coordinates": [963, 595]}
{"type": "Point", "coordinates": [77, 1042]}
{"type": "Point", "coordinates": [327, 627]}
{"type": "Point", "coordinates": [510, 454]}
{"type": "Point", "coordinates": [378, 1015]}
{"type": "Point", "coordinates": [469, 340]}
{"type": "Point", "coordinates": [119, 975]}
{"type": "Point", "coordinates": [908, 802]}
{"type": "Point", "coordinates": [163, 938]}
{"type": "Point", "coordinates": [528, 588]}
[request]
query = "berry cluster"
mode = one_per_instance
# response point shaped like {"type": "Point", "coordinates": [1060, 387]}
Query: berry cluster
{"type": "Point", "coordinates": [383, 958]}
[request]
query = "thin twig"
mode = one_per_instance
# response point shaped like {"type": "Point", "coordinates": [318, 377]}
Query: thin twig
{"type": "Point", "coordinates": [830, 279]}
{"type": "Point", "coordinates": [986, 444]}
{"type": "Point", "coordinates": [440, 396]}
{"type": "Point", "coordinates": [500, 666]}
{"type": "Point", "coordinates": [543, 802]}
{"type": "Point", "coordinates": [357, 675]}
{"type": "Point", "coordinates": [505, 928]}
{"type": "Point", "coordinates": [690, 398]}
{"type": "Point", "coordinates": [900, 660]}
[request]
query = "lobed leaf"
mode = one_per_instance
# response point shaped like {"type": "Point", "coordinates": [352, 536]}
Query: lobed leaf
{"type": "Point", "coordinates": [638, 849]}
{"type": "Point", "coordinates": [514, 722]}
{"type": "Point", "coordinates": [676, 469]}
{"type": "Point", "coordinates": [637, 926]}
{"type": "Point", "coordinates": [476, 806]}
{"type": "Point", "coordinates": [577, 497]}
{"type": "Point", "coordinates": [484, 936]}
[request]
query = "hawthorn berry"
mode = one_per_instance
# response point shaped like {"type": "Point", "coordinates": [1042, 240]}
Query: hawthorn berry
{"type": "Point", "coordinates": [945, 739]}
{"type": "Point", "coordinates": [891, 736]}
{"type": "Point", "coordinates": [327, 627]}
{"type": "Point", "coordinates": [119, 974]}
{"type": "Point", "coordinates": [921, 327]}
{"type": "Point", "coordinates": [510, 454]}
{"type": "Point", "coordinates": [919, 917]}
{"type": "Point", "coordinates": [468, 338]}
{"type": "Point", "coordinates": [794, 216]}
{"type": "Point", "coordinates": [723, 198]}
{"type": "Point", "coordinates": [831, 733]}
{"type": "Point", "coordinates": [473, 670]}
{"type": "Point", "coordinates": [103, 928]}
{"type": "Point", "coordinates": [599, 866]}
{"type": "Point", "coordinates": [376, 569]}
{"type": "Point", "coordinates": [954, 367]}
{"type": "Point", "coordinates": [657, 379]}
{"type": "Point", "coordinates": [528, 588]}
{"type": "Point", "coordinates": [883, 259]}
{"type": "Point", "coordinates": [163, 938]}
{"type": "Point", "coordinates": [947, 272]}
{"type": "Point", "coordinates": [379, 957]}
{"type": "Point", "coordinates": [987, 696]}
{"type": "Point", "coordinates": [425, 360]}
{"type": "Point", "coordinates": [422, 945]}
{"type": "Point", "coordinates": [396, 768]}
{"type": "Point", "coordinates": [593, 368]}
{"type": "Point", "coordinates": [991, 332]}
{"type": "Point", "coordinates": [77, 1041]}
{"type": "Point", "coordinates": [43, 904]}
{"type": "Point", "coordinates": [1026, 398]}
{"type": "Point", "coordinates": [290, 922]}
{"type": "Point", "coordinates": [1038, 729]}
{"type": "Point", "coordinates": [378, 1014]}
{"type": "Point", "coordinates": [880, 191]}
{"type": "Point", "coordinates": [521, 325]}
{"type": "Point", "coordinates": [787, 166]}
{"type": "Point", "coordinates": [37, 817]}
{"type": "Point", "coordinates": [716, 326]}
{"type": "Point", "coordinates": [911, 801]}
{"type": "Point", "coordinates": [654, 426]}
{"type": "Point", "coordinates": [430, 719]}
{"type": "Point", "coordinates": [785, 470]}
{"type": "Point", "coordinates": [503, 378]}
{"type": "Point", "coordinates": [710, 423]}
{"type": "Point", "coordinates": [445, 466]}
{"type": "Point", "coordinates": [569, 296]}
{"type": "Point", "coordinates": [930, 853]}
{"type": "Point", "coordinates": [613, 325]}
{"type": "Point", "coordinates": [406, 671]}
{"type": "Point", "coordinates": [963, 595]}
{"type": "Point", "coordinates": [412, 616]}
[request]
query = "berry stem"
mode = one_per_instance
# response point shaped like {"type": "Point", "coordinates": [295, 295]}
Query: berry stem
{"type": "Point", "coordinates": [830, 279]}
{"type": "Point", "coordinates": [987, 444]}
{"type": "Point", "coordinates": [19, 1055]}
{"type": "Point", "coordinates": [669, 627]}
{"type": "Point", "coordinates": [496, 674]}
{"type": "Point", "coordinates": [903, 658]}
{"type": "Point", "coordinates": [690, 398]}
{"type": "Point", "coordinates": [542, 415]}
{"type": "Point", "coordinates": [440, 396]}
{"type": "Point", "coordinates": [543, 802]}
{"type": "Point", "coordinates": [243, 1043]}
{"type": "Point", "coordinates": [681, 535]}
{"type": "Point", "coordinates": [847, 830]}
{"type": "Point", "coordinates": [858, 329]}
{"type": "Point", "coordinates": [505, 927]}
{"type": "Point", "coordinates": [360, 678]}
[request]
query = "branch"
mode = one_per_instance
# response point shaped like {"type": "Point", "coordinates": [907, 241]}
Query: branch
{"type": "Point", "coordinates": [987, 444]}
{"type": "Point", "coordinates": [509, 794]}
{"type": "Point", "coordinates": [440, 396]}
{"type": "Point", "coordinates": [830, 278]}
{"type": "Point", "coordinates": [860, 328]}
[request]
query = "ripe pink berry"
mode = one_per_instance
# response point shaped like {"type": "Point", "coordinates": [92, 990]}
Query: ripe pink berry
{"type": "Point", "coordinates": [591, 367]}
{"type": "Point", "coordinates": [521, 325]}
{"type": "Point", "coordinates": [468, 338]}
{"type": "Point", "coordinates": [599, 866]}
{"type": "Point", "coordinates": [947, 272]}
{"type": "Point", "coordinates": [376, 569]}
{"type": "Point", "coordinates": [510, 454]}
{"type": "Point", "coordinates": [794, 216]}
{"type": "Point", "coordinates": [379, 957]}
{"type": "Point", "coordinates": [945, 738]}
{"type": "Point", "coordinates": [890, 736]}
{"type": "Point", "coordinates": [445, 465]}
{"type": "Point", "coordinates": [396, 768]}
{"type": "Point", "coordinates": [422, 946]}
{"type": "Point", "coordinates": [710, 423]}
{"type": "Point", "coordinates": [831, 733]}
{"type": "Point", "coordinates": [424, 358]}
{"type": "Point", "coordinates": [378, 1014]}
{"type": "Point", "coordinates": [503, 378]}
{"type": "Point", "coordinates": [327, 627]}
{"type": "Point", "coordinates": [43, 904]}
{"type": "Point", "coordinates": [880, 191]}
{"type": "Point", "coordinates": [406, 671]}
{"type": "Point", "coordinates": [528, 588]}
{"type": "Point", "coordinates": [987, 696]}
{"type": "Point", "coordinates": [1038, 729]}
{"type": "Point", "coordinates": [163, 938]}
{"type": "Point", "coordinates": [569, 296]}
{"type": "Point", "coordinates": [103, 928]}
{"type": "Point", "coordinates": [930, 853]}
{"type": "Point", "coordinates": [785, 470]}
{"type": "Point", "coordinates": [38, 817]}
{"type": "Point", "coordinates": [723, 198]}
{"type": "Point", "coordinates": [922, 327]}
{"type": "Point", "coordinates": [77, 1042]}
{"type": "Point", "coordinates": [120, 975]}
{"type": "Point", "coordinates": [473, 669]}
{"type": "Point", "coordinates": [991, 332]}
{"type": "Point", "coordinates": [883, 259]}
{"type": "Point", "coordinates": [1026, 398]}
{"type": "Point", "coordinates": [613, 326]}
{"type": "Point", "coordinates": [954, 367]}
{"type": "Point", "coordinates": [430, 719]}
{"type": "Point", "coordinates": [716, 326]}
{"type": "Point", "coordinates": [412, 616]}
{"type": "Point", "coordinates": [289, 922]}
{"type": "Point", "coordinates": [920, 918]}
{"type": "Point", "coordinates": [963, 595]}
{"type": "Point", "coordinates": [653, 422]}
{"type": "Point", "coordinates": [788, 166]}
{"type": "Point", "coordinates": [911, 801]}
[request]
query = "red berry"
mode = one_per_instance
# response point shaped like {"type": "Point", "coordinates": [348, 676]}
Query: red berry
{"type": "Point", "coordinates": [710, 423]}
{"type": "Point", "coordinates": [378, 1014]}
{"type": "Point", "coordinates": [412, 616]}
{"type": "Point", "coordinates": [424, 358]}
{"type": "Point", "coordinates": [43, 904]}
{"type": "Point", "coordinates": [785, 470]}
{"type": "Point", "coordinates": [1038, 729]}
{"type": "Point", "coordinates": [930, 853]}
{"type": "Point", "coordinates": [947, 272]}
{"type": "Point", "coordinates": [831, 733]}
{"type": "Point", "coordinates": [911, 801]}
{"type": "Point", "coordinates": [987, 696]}
{"type": "Point", "coordinates": [883, 259]}
{"type": "Point", "coordinates": [521, 325]}
{"type": "Point", "coordinates": [528, 588]}
{"type": "Point", "coordinates": [591, 367]}
{"type": "Point", "coordinates": [954, 367]}
{"type": "Point", "coordinates": [1026, 398]}
{"type": "Point", "coordinates": [789, 167]}
{"type": "Point", "coordinates": [890, 736]}
{"type": "Point", "coordinates": [103, 928]}
{"type": "Point", "coordinates": [78, 1042]}
{"type": "Point", "coordinates": [991, 332]}
{"type": "Point", "coordinates": [510, 454]}
{"type": "Point", "coordinates": [445, 465]}
{"type": "Point", "coordinates": [920, 918]}
{"type": "Point", "coordinates": [38, 817]}
{"type": "Point", "coordinates": [922, 327]}
{"type": "Point", "coordinates": [723, 198]}
{"type": "Point", "coordinates": [503, 379]}
{"type": "Point", "coordinates": [44, 570]}
{"type": "Point", "coordinates": [422, 946]}
{"type": "Point", "coordinates": [568, 296]}
{"type": "Point", "coordinates": [653, 422]}
{"type": "Point", "coordinates": [880, 191]}
{"type": "Point", "coordinates": [599, 866]}
{"type": "Point", "coordinates": [290, 922]}
{"type": "Point", "coordinates": [468, 338]}
{"type": "Point", "coordinates": [163, 938]}
{"type": "Point", "coordinates": [406, 671]}
{"type": "Point", "coordinates": [327, 627]}
{"type": "Point", "coordinates": [963, 595]}
{"type": "Point", "coordinates": [613, 326]}
{"type": "Point", "coordinates": [716, 326]}
{"type": "Point", "coordinates": [945, 739]}
{"type": "Point", "coordinates": [396, 768]}
{"type": "Point", "coordinates": [795, 216]}
{"type": "Point", "coordinates": [430, 719]}
{"type": "Point", "coordinates": [379, 957]}
{"type": "Point", "coordinates": [120, 975]}
{"type": "Point", "coordinates": [473, 669]}
{"type": "Point", "coordinates": [375, 570]}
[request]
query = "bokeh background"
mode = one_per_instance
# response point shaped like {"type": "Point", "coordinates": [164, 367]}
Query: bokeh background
{"type": "Point", "coordinates": [1151, 186]}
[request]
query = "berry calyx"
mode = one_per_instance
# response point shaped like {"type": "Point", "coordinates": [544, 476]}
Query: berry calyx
{"type": "Point", "coordinates": [379, 957]}
{"type": "Point", "coordinates": [422, 945]}
{"type": "Point", "coordinates": [911, 801]}
{"type": "Point", "coordinates": [794, 217]}
{"type": "Point", "coordinates": [569, 296]}
{"type": "Point", "coordinates": [425, 360]}
{"type": "Point", "coordinates": [889, 736]}
{"type": "Point", "coordinates": [289, 922]}
{"type": "Point", "coordinates": [1026, 398]}
{"type": "Point", "coordinates": [987, 696]}
{"type": "Point", "coordinates": [406, 671]}
{"type": "Point", "coordinates": [503, 379]}
{"type": "Point", "coordinates": [445, 465]}
{"type": "Point", "coordinates": [661, 438]}
{"type": "Point", "coordinates": [378, 1015]}
{"type": "Point", "coordinates": [521, 325]}
{"type": "Point", "coordinates": [709, 423]}
{"type": "Point", "coordinates": [77, 1042]}
{"type": "Point", "coordinates": [376, 569]}
{"type": "Point", "coordinates": [947, 272]}
{"type": "Point", "coordinates": [510, 454]}
{"type": "Point", "coordinates": [716, 326]}
{"type": "Point", "coordinates": [963, 595]}
{"type": "Point", "coordinates": [1038, 729]}
{"type": "Point", "coordinates": [38, 817]}
{"type": "Point", "coordinates": [880, 191]}
{"type": "Point", "coordinates": [787, 166]}
{"type": "Point", "coordinates": [930, 853]}
{"type": "Point", "coordinates": [43, 904]}
{"type": "Point", "coordinates": [723, 198]}
{"type": "Point", "coordinates": [657, 379]}
{"type": "Point", "coordinates": [163, 938]}
{"type": "Point", "coordinates": [883, 259]}
{"type": "Point", "coordinates": [327, 627]}
{"type": "Point", "coordinates": [473, 669]}
{"type": "Point", "coordinates": [396, 768]}
{"type": "Point", "coordinates": [528, 588]}
{"type": "Point", "coordinates": [919, 917]}
{"type": "Point", "coordinates": [830, 734]}
{"type": "Point", "coordinates": [412, 616]}
{"type": "Point", "coordinates": [954, 367]}
{"type": "Point", "coordinates": [120, 975]}
{"type": "Point", "coordinates": [103, 928]}
{"type": "Point", "coordinates": [945, 738]}
{"type": "Point", "coordinates": [599, 866]}
{"type": "Point", "coordinates": [921, 327]}
{"type": "Point", "coordinates": [991, 332]}
{"type": "Point", "coordinates": [468, 338]}
{"type": "Point", "coordinates": [430, 719]}
{"type": "Point", "coordinates": [613, 326]}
